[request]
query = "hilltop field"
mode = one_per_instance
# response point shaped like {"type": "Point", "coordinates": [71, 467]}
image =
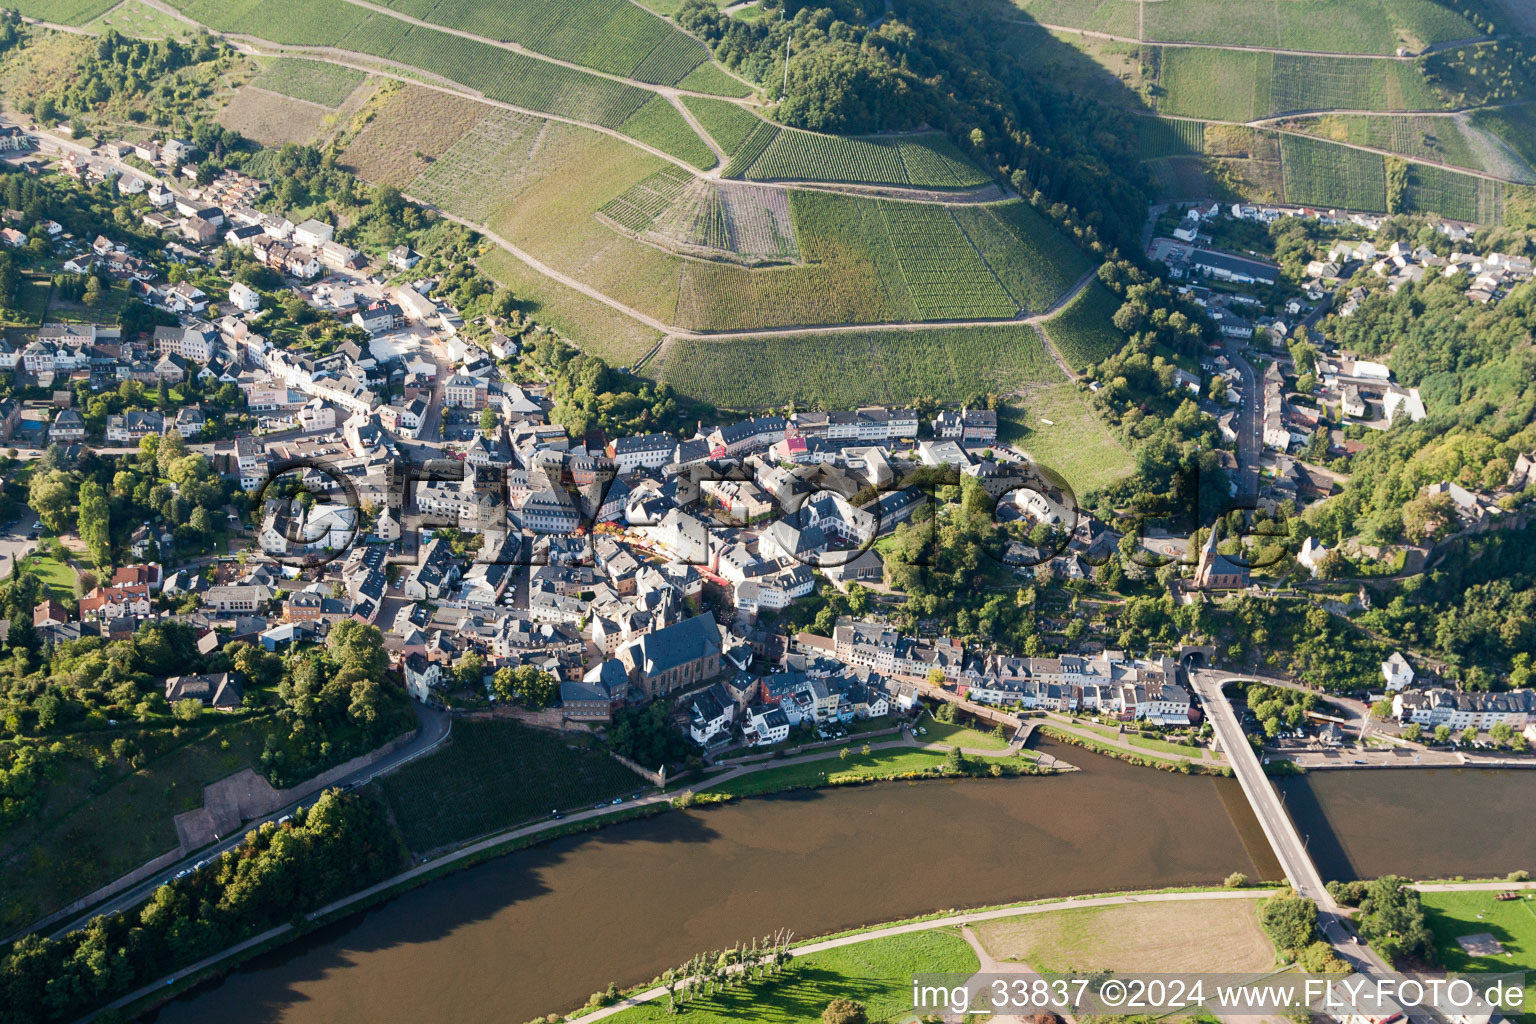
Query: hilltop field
{"type": "Point", "coordinates": [645, 202]}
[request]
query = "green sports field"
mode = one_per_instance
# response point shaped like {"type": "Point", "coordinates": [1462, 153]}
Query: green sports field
{"type": "Point", "coordinates": [1512, 923]}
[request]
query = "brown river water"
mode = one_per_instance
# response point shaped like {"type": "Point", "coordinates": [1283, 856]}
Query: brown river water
{"type": "Point", "coordinates": [537, 931]}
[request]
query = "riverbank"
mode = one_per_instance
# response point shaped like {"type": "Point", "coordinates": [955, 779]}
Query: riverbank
{"type": "Point", "coordinates": [902, 760]}
{"type": "Point", "coordinates": [895, 762]}
{"type": "Point", "coordinates": [877, 943]}
{"type": "Point", "coordinates": [570, 911]}
{"type": "Point", "coordinates": [1180, 765]}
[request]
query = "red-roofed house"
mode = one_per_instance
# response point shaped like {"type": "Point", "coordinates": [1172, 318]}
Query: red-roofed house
{"type": "Point", "coordinates": [149, 576]}
{"type": "Point", "coordinates": [115, 602]}
{"type": "Point", "coordinates": [49, 613]}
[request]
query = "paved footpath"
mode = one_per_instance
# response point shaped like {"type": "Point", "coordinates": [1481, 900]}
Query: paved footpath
{"type": "Point", "coordinates": [962, 920]}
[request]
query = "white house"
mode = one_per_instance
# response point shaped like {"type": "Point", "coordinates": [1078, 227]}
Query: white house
{"type": "Point", "coordinates": [243, 296]}
{"type": "Point", "coordinates": [766, 725]}
{"type": "Point", "coordinates": [1397, 672]}
{"type": "Point", "coordinates": [313, 233]}
{"type": "Point", "coordinates": [1311, 555]}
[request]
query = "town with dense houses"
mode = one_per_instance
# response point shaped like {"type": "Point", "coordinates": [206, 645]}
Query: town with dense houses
{"type": "Point", "coordinates": [591, 558]}
{"type": "Point", "coordinates": [636, 450]}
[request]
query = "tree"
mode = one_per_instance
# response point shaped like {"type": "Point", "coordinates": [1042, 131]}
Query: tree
{"type": "Point", "coordinates": [1391, 919]}
{"type": "Point", "coordinates": [1236, 880]}
{"type": "Point", "coordinates": [188, 710]}
{"type": "Point", "coordinates": [844, 1011]}
{"type": "Point", "coordinates": [92, 294]}
{"type": "Point", "coordinates": [470, 670]}
{"type": "Point", "coordinates": [1467, 736]}
{"type": "Point", "coordinates": [1290, 921]}
{"type": "Point", "coordinates": [1442, 734]}
{"type": "Point", "coordinates": [487, 420]}
{"type": "Point", "coordinates": [94, 521]}
{"type": "Point", "coordinates": [1414, 733]}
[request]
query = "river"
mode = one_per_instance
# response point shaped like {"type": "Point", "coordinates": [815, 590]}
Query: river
{"type": "Point", "coordinates": [539, 930]}
{"type": "Point", "coordinates": [1417, 822]}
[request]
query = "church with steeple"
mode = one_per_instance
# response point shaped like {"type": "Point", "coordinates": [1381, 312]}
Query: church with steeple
{"type": "Point", "coordinates": [1214, 570]}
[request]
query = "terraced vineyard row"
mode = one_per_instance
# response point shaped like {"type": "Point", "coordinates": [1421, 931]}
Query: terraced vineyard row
{"type": "Point", "coordinates": [938, 264]}
{"type": "Point", "coordinates": [751, 148]}
{"type": "Point", "coordinates": [813, 370]}
{"type": "Point", "coordinates": [658, 123]}
{"type": "Point", "coordinates": [925, 161]}
{"type": "Point", "coordinates": [614, 36]}
{"type": "Point", "coordinates": [1437, 139]}
{"type": "Point", "coordinates": [710, 78]}
{"type": "Point", "coordinates": [1233, 85]}
{"type": "Point", "coordinates": [758, 221]}
{"type": "Point", "coordinates": [729, 124]}
{"type": "Point", "coordinates": [1320, 174]}
{"type": "Point", "coordinates": [1452, 195]}
{"type": "Point", "coordinates": [496, 72]}
{"type": "Point", "coordinates": [1162, 136]}
{"type": "Point", "coordinates": [1024, 250]}
{"type": "Point", "coordinates": [469, 179]}
{"type": "Point", "coordinates": [1083, 332]}
{"type": "Point", "coordinates": [62, 12]}
{"type": "Point", "coordinates": [638, 207]}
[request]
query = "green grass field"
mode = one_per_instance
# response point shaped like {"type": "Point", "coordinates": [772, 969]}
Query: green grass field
{"type": "Point", "coordinates": [593, 326]}
{"type": "Point", "coordinates": [877, 973]}
{"type": "Point", "coordinates": [55, 575]}
{"type": "Point", "coordinates": [1082, 331]}
{"type": "Point", "coordinates": [878, 764]}
{"type": "Point", "coordinates": [1177, 936]}
{"type": "Point", "coordinates": [1163, 746]}
{"type": "Point", "coordinates": [499, 774]}
{"type": "Point", "coordinates": [1233, 85]}
{"type": "Point", "coordinates": [312, 80]}
{"type": "Point", "coordinates": [955, 735]}
{"type": "Point", "coordinates": [845, 369]}
{"type": "Point", "coordinates": [1320, 173]}
{"type": "Point", "coordinates": [1515, 126]}
{"type": "Point", "coordinates": [1511, 922]}
{"type": "Point", "coordinates": [1074, 443]}
{"type": "Point", "coordinates": [31, 302]}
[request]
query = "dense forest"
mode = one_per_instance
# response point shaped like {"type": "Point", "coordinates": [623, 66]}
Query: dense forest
{"type": "Point", "coordinates": [337, 846]}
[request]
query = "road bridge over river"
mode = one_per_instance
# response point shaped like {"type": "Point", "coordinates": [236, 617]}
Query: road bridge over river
{"type": "Point", "coordinates": [1290, 848]}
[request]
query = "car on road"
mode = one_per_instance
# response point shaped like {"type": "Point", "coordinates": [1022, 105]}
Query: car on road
{"type": "Point", "coordinates": [617, 800]}
{"type": "Point", "coordinates": [556, 815]}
